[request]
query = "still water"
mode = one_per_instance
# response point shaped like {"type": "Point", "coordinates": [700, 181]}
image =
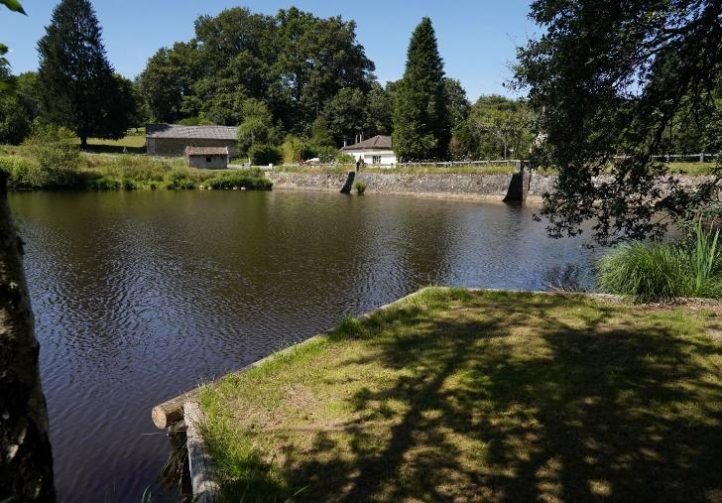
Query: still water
{"type": "Point", "coordinates": [141, 296]}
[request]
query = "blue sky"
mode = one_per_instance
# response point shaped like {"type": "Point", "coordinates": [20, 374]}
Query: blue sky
{"type": "Point", "coordinates": [477, 39]}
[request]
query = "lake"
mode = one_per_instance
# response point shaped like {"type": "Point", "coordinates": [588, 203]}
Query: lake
{"type": "Point", "coordinates": [139, 296]}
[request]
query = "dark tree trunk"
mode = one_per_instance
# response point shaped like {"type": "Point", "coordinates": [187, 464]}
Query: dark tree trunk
{"type": "Point", "coordinates": [83, 142]}
{"type": "Point", "coordinates": [26, 463]}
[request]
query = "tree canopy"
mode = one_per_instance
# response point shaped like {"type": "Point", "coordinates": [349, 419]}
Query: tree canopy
{"type": "Point", "coordinates": [421, 121]}
{"type": "Point", "coordinates": [609, 78]}
{"type": "Point", "coordinates": [78, 87]}
{"type": "Point", "coordinates": [294, 62]}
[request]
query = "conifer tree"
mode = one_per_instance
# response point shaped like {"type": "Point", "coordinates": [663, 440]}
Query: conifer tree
{"type": "Point", "coordinates": [78, 88]}
{"type": "Point", "coordinates": [421, 118]}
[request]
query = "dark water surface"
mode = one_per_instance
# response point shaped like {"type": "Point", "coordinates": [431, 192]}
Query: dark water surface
{"type": "Point", "coordinates": [141, 296]}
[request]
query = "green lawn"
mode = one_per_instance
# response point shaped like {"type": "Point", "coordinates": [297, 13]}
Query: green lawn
{"type": "Point", "coordinates": [457, 396]}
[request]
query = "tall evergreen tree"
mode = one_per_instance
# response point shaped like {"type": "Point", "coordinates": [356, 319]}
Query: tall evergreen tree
{"type": "Point", "coordinates": [421, 118]}
{"type": "Point", "coordinates": [78, 87]}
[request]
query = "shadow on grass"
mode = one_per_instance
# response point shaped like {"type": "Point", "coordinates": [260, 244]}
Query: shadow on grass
{"type": "Point", "coordinates": [588, 402]}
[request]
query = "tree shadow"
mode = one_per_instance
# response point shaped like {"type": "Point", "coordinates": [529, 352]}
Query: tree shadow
{"type": "Point", "coordinates": [600, 404]}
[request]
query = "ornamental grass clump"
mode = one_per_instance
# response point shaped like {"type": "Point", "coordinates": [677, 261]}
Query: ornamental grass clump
{"type": "Point", "coordinates": [689, 268]}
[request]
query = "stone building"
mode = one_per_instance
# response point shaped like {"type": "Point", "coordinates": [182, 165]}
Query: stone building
{"type": "Point", "coordinates": [207, 157]}
{"type": "Point", "coordinates": [172, 139]}
{"type": "Point", "coordinates": [374, 151]}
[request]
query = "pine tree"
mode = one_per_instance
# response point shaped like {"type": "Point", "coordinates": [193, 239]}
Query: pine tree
{"type": "Point", "coordinates": [421, 119]}
{"type": "Point", "coordinates": [78, 88]}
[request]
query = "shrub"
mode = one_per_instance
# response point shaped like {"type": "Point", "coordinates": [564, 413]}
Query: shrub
{"type": "Point", "coordinates": [22, 173]}
{"type": "Point", "coordinates": [251, 179]}
{"type": "Point", "coordinates": [295, 150]}
{"type": "Point", "coordinates": [360, 187]}
{"type": "Point", "coordinates": [179, 179]}
{"type": "Point", "coordinates": [326, 154]}
{"type": "Point", "coordinates": [263, 154]}
{"type": "Point", "coordinates": [690, 268]}
{"type": "Point", "coordinates": [344, 158]}
{"type": "Point", "coordinates": [53, 147]}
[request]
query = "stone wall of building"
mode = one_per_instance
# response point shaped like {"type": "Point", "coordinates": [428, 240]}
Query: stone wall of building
{"type": "Point", "coordinates": [208, 162]}
{"type": "Point", "coordinates": [176, 146]}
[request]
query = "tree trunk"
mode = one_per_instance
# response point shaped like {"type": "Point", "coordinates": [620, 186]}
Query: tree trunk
{"type": "Point", "coordinates": [26, 463]}
{"type": "Point", "coordinates": [83, 142]}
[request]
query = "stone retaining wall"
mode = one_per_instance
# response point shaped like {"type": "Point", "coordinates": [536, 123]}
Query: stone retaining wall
{"type": "Point", "coordinates": [463, 186]}
{"type": "Point", "coordinates": [474, 186]}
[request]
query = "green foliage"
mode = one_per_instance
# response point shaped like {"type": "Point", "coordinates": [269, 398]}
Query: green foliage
{"type": "Point", "coordinates": [15, 121]}
{"type": "Point", "coordinates": [179, 179]}
{"type": "Point", "coordinates": [251, 179]}
{"type": "Point", "coordinates": [263, 154]}
{"type": "Point", "coordinates": [342, 158]}
{"type": "Point", "coordinates": [421, 125]}
{"type": "Point", "coordinates": [78, 87]}
{"type": "Point", "coordinates": [53, 147]}
{"type": "Point", "coordinates": [610, 78]}
{"type": "Point", "coordinates": [360, 187]}
{"type": "Point", "coordinates": [257, 127]}
{"type": "Point", "coordinates": [22, 173]}
{"type": "Point", "coordinates": [293, 62]}
{"type": "Point", "coordinates": [664, 271]}
{"type": "Point", "coordinates": [294, 150]}
{"type": "Point", "coordinates": [500, 126]}
{"type": "Point", "coordinates": [327, 154]}
{"type": "Point", "coordinates": [321, 133]}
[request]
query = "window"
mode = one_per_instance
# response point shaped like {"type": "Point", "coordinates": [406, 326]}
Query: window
{"type": "Point", "coordinates": [208, 159]}
{"type": "Point", "coordinates": [376, 159]}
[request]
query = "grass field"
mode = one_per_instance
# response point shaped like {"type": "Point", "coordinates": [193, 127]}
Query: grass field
{"type": "Point", "coordinates": [458, 396]}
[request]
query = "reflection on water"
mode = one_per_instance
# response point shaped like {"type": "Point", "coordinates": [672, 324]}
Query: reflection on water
{"type": "Point", "coordinates": [140, 296]}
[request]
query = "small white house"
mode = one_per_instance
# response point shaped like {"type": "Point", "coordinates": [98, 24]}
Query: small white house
{"type": "Point", "coordinates": [375, 151]}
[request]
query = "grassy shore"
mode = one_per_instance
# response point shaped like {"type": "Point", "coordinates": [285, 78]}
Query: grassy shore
{"type": "Point", "coordinates": [489, 396]}
{"type": "Point", "coordinates": [94, 171]}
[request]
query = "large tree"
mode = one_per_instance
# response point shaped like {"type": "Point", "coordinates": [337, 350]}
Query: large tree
{"type": "Point", "coordinates": [610, 76]}
{"type": "Point", "coordinates": [501, 126]}
{"type": "Point", "coordinates": [78, 88]}
{"type": "Point", "coordinates": [421, 119]}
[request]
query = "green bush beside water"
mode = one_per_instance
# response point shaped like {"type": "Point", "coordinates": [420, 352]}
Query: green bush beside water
{"type": "Point", "coordinates": [689, 268]}
{"type": "Point", "coordinates": [252, 179]}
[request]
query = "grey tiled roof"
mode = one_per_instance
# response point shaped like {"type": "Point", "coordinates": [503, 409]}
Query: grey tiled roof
{"type": "Point", "coordinates": [207, 151]}
{"type": "Point", "coordinates": [378, 142]}
{"type": "Point", "coordinates": [199, 132]}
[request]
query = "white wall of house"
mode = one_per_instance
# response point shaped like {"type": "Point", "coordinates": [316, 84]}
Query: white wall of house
{"type": "Point", "coordinates": [374, 157]}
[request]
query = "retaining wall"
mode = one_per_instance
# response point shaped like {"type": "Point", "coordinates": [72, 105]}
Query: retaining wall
{"type": "Point", "coordinates": [464, 186]}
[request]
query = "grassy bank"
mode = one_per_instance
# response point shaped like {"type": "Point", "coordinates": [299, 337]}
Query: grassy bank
{"type": "Point", "coordinates": [457, 396]}
{"type": "Point", "coordinates": [122, 172]}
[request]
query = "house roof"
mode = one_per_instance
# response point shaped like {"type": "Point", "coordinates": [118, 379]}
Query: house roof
{"type": "Point", "coordinates": [190, 132]}
{"type": "Point", "coordinates": [207, 151]}
{"type": "Point", "coordinates": [378, 142]}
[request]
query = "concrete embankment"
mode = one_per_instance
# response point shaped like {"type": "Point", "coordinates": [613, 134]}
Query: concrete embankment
{"type": "Point", "coordinates": [472, 186]}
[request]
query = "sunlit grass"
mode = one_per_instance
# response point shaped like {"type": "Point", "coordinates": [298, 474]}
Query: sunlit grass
{"type": "Point", "coordinates": [461, 396]}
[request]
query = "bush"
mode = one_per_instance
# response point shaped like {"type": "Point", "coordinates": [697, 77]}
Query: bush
{"type": "Point", "coordinates": [691, 268]}
{"type": "Point", "coordinates": [22, 173]}
{"type": "Point", "coordinates": [53, 147]}
{"type": "Point", "coordinates": [326, 154]}
{"type": "Point", "coordinates": [264, 154]}
{"type": "Point", "coordinates": [360, 187]}
{"type": "Point", "coordinates": [295, 150]}
{"type": "Point", "coordinates": [251, 179]}
{"type": "Point", "coordinates": [344, 158]}
{"type": "Point", "coordinates": [179, 179]}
